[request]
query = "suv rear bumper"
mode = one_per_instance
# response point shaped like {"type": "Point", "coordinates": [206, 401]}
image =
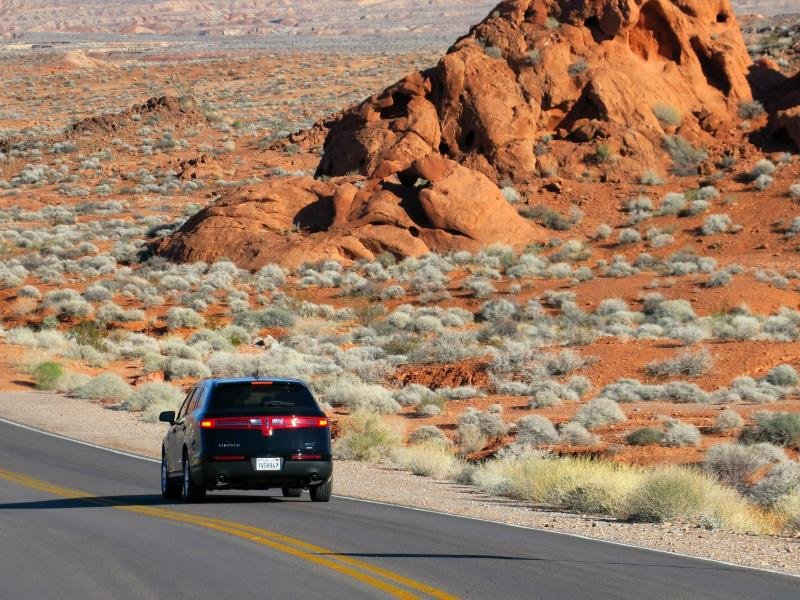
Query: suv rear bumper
{"type": "Point", "coordinates": [243, 476]}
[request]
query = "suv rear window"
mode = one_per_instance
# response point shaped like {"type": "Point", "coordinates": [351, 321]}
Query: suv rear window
{"type": "Point", "coordinates": [262, 399]}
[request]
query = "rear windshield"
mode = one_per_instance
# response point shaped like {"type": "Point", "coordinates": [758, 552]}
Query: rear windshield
{"type": "Point", "coordinates": [260, 399]}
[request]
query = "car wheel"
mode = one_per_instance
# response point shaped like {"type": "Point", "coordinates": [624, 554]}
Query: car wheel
{"type": "Point", "coordinates": [322, 493]}
{"type": "Point", "coordinates": [170, 487]}
{"type": "Point", "coordinates": [292, 492]}
{"type": "Point", "coordinates": [190, 491]}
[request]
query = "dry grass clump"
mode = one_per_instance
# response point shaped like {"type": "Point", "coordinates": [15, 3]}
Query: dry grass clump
{"type": "Point", "coordinates": [366, 437]}
{"type": "Point", "coordinates": [428, 459]}
{"type": "Point", "coordinates": [665, 494]}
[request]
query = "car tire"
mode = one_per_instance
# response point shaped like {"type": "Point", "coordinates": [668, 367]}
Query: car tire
{"type": "Point", "coordinates": [292, 492]}
{"type": "Point", "coordinates": [190, 491]}
{"type": "Point", "coordinates": [322, 492]}
{"type": "Point", "coordinates": [170, 487]}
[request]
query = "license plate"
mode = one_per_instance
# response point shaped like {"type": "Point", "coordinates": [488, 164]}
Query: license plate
{"type": "Point", "coordinates": [268, 464]}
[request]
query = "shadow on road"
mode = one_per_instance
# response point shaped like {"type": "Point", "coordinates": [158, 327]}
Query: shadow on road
{"type": "Point", "coordinates": [135, 500]}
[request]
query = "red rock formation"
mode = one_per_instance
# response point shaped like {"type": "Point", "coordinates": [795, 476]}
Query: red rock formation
{"type": "Point", "coordinates": [434, 147]}
{"type": "Point", "coordinates": [300, 219]}
{"type": "Point", "coordinates": [579, 69]}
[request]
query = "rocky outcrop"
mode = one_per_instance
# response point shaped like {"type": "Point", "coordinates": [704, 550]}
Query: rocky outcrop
{"type": "Point", "coordinates": [574, 69]}
{"type": "Point", "coordinates": [536, 88]}
{"type": "Point", "coordinates": [443, 206]}
{"type": "Point", "coordinates": [184, 109]}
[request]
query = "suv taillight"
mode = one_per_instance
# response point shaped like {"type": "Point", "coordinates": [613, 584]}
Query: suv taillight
{"type": "Point", "coordinates": [266, 423]}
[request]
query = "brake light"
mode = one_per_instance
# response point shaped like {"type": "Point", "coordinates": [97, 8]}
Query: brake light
{"type": "Point", "coordinates": [261, 382]}
{"type": "Point", "coordinates": [224, 458]}
{"type": "Point", "coordinates": [233, 423]}
{"type": "Point", "coordinates": [294, 422]}
{"type": "Point", "coordinates": [267, 424]}
{"type": "Point", "coordinates": [306, 457]}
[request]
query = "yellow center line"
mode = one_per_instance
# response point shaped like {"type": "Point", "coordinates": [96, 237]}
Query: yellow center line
{"type": "Point", "coordinates": [277, 541]}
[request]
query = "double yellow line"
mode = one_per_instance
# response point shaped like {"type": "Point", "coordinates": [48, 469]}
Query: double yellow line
{"type": "Point", "coordinates": [384, 580]}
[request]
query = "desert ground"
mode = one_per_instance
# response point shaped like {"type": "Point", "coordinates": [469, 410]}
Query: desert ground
{"type": "Point", "coordinates": [649, 326]}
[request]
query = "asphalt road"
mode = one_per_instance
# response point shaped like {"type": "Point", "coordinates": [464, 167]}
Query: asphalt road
{"type": "Point", "coordinates": [82, 522]}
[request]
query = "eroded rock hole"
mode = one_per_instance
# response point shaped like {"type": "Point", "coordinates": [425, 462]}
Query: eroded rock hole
{"type": "Point", "coordinates": [653, 36]}
{"type": "Point", "coordinates": [398, 107]}
{"type": "Point", "coordinates": [713, 65]}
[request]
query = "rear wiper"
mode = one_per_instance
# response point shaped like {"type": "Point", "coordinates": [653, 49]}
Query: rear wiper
{"type": "Point", "coordinates": [277, 403]}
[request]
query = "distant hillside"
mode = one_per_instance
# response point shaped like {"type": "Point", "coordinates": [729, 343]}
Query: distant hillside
{"type": "Point", "coordinates": [251, 17]}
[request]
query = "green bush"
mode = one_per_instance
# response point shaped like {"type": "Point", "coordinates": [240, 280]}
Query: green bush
{"type": "Point", "coordinates": [46, 375]}
{"type": "Point", "coordinates": [780, 428]}
{"type": "Point", "coordinates": [645, 436]}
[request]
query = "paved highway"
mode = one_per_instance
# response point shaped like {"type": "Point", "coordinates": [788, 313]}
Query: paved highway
{"type": "Point", "coordinates": [82, 522]}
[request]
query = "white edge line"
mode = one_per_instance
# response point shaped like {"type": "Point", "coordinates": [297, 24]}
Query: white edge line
{"type": "Point", "coordinates": [76, 441]}
{"type": "Point", "coordinates": [438, 512]}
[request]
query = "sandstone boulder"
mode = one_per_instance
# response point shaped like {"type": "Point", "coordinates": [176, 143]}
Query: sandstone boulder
{"type": "Point", "coordinates": [296, 220]}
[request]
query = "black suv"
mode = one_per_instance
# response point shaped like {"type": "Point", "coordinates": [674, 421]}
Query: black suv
{"type": "Point", "coordinates": [247, 434]}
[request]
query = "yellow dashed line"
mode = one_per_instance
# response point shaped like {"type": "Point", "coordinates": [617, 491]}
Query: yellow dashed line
{"type": "Point", "coordinates": [344, 565]}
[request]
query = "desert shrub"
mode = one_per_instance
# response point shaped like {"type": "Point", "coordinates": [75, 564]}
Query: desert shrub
{"type": "Point", "coordinates": [578, 67]}
{"type": "Point", "coordinates": [575, 434]}
{"type": "Point", "coordinates": [428, 434]}
{"type": "Point", "coordinates": [794, 191]}
{"type": "Point", "coordinates": [546, 217]}
{"type": "Point", "coordinates": [783, 375]}
{"type": "Point", "coordinates": [687, 363]}
{"type": "Point", "coordinates": [479, 287]}
{"type": "Point", "coordinates": [750, 109]}
{"type": "Point", "coordinates": [782, 479]}
{"type": "Point", "coordinates": [719, 279]}
{"type": "Point", "coordinates": [489, 421]}
{"type": "Point", "coordinates": [269, 278]}
{"type": "Point", "coordinates": [21, 336]}
{"type": "Point", "coordinates": [780, 428]}
{"type": "Point", "coordinates": [147, 394]}
{"type": "Point", "coordinates": [46, 375]}
{"type": "Point", "coordinates": [470, 438]}
{"type": "Point", "coordinates": [535, 430]}
{"type": "Point", "coordinates": [708, 193]}
{"type": "Point", "coordinates": [603, 232]}
{"type": "Point", "coordinates": [428, 460]}
{"type": "Point", "coordinates": [762, 167]}
{"type": "Point", "coordinates": [679, 494]}
{"type": "Point", "coordinates": [359, 396]}
{"type": "Point", "coordinates": [447, 347]}
{"type": "Point", "coordinates": [108, 386]}
{"type": "Point", "coordinates": [645, 436]}
{"type": "Point", "coordinates": [179, 317]}
{"type": "Point", "coordinates": [181, 368]}
{"type": "Point", "coordinates": [763, 182]}
{"type": "Point", "coordinates": [629, 236]}
{"type": "Point", "coordinates": [727, 420]}
{"type": "Point", "coordinates": [413, 394]}
{"type": "Point", "coordinates": [651, 177]}
{"type": "Point", "coordinates": [599, 412]}
{"type": "Point", "coordinates": [735, 464]}
{"type": "Point", "coordinates": [272, 316]}
{"type": "Point", "coordinates": [672, 204]}
{"type": "Point", "coordinates": [678, 433]}
{"type": "Point", "coordinates": [716, 224]}
{"type": "Point", "coordinates": [668, 114]}
{"type": "Point", "coordinates": [365, 437]}
{"type": "Point", "coordinates": [685, 157]}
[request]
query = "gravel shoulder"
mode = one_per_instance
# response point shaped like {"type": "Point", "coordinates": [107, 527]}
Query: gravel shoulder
{"type": "Point", "coordinates": [93, 423]}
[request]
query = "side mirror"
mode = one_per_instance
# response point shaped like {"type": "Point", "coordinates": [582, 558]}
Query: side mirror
{"type": "Point", "coordinates": [168, 416]}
